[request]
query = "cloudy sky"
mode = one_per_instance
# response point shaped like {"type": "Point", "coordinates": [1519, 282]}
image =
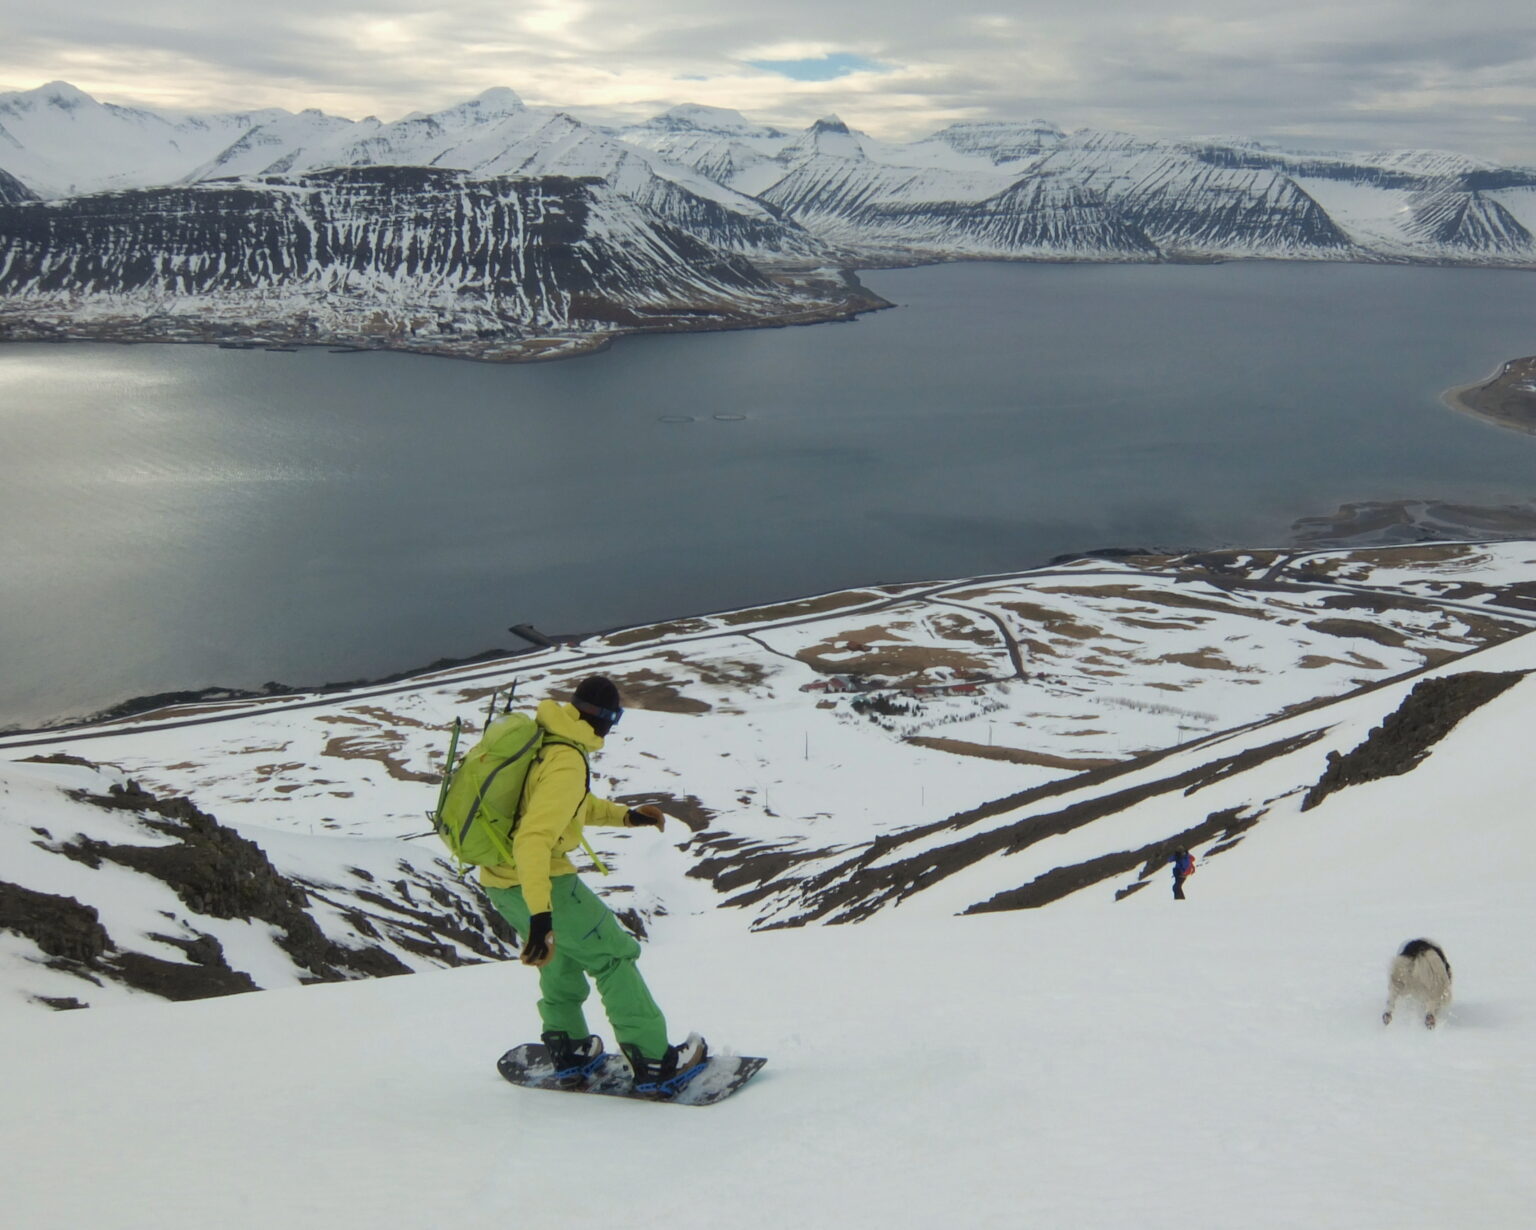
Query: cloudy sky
{"type": "Point", "coordinates": [1344, 73]}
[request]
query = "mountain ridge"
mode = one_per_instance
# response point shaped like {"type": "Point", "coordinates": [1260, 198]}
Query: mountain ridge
{"type": "Point", "coordinates": [798, 208]}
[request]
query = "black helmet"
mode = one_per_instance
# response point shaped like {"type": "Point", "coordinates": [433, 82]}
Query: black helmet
{"type": "Point", "coordinates": [597, 699]}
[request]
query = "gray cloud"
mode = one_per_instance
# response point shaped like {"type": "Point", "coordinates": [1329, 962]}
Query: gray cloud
{"type": "Point", "coordinates": [1371, 73]}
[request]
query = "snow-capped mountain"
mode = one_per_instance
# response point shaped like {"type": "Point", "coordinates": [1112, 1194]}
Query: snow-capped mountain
{"type": "Point", "coordinates": [60, 141]}
{"type": "Point", "coordinates": [1002, 142]}
{"type": "Point", "coordinates": [253, 222]}
{"type": "Point", "coordinates": [743, 187]}
{"type": "Point", "coordinates": [412, 257]}
{"type": "Point", "coordinates": [714, 141]}
{"type": "Point", "coordinates": [495, 135]}
{"type": "Point", "coordinates": [1100, 195]}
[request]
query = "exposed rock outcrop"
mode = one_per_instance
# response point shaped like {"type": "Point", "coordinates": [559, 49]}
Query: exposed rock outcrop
{"type": "Point", "coordinates": [1426, 716]}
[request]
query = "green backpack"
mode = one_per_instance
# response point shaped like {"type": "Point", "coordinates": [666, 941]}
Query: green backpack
{"type": "Point", "coordinates": [478, 804]}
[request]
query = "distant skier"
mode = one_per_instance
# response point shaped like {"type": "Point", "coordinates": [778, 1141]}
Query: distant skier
{"type": "Point", "coordinates": [1183, 868]}
{"type": "Point", "coordinates": [568, 932]}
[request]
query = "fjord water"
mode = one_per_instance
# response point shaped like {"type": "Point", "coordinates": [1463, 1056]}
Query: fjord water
{"type": "Point", "coordinates": [182, 516]}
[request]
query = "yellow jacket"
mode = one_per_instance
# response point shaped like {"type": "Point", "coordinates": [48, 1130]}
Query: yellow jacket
{"type": "Point", "coordinates": [556, 807]}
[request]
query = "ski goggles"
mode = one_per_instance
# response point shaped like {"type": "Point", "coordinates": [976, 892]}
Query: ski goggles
{"type": "Point", "coordinates": [611, 716]}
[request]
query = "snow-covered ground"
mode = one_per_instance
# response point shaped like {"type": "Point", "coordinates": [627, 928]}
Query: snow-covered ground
{"type": "Point", "coordinates": [1118, 1059]}
{"type": "Point", "coordinates": [1213, 1063]}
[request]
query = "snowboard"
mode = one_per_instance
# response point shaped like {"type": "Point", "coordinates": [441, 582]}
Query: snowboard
{"type": "Point", "coordinates": [722, 1075]}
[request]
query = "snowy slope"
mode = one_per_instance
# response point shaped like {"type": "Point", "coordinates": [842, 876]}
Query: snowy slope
{"type": "Point", "coordinates": [494, 135]}
{"type": "Point", "coordinates": [1145, 1064]}
{"type": "Point", "coordinates": [13, 191]}
{"type": "Point", "coordinates": [109, 895]}
{"type": "Point", "coordinates": [715, 141]}
{"type": "Point", "coordinates": [809, 747]}
{"type": "Point", "coordinates": [60, 141]}
{"type": "Point", "coordinates": [1030, 190]}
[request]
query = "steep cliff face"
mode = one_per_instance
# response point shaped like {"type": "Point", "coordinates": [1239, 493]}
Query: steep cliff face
{"type": "Point", "coordinates": [1002, 142]}
{"type": "Point", "coordinates": [1186, 204]}
{"type": "Point", "coordinates": [1453, 217]}
{"type": "Point", "coordinates": [495, 135]}
{"type": "Point", "coordinates": [1039, 216]}
{"type": "Point", "coordinates": [1029, 190]}
{"type": "Point", "coordinates": [1097, 199]}
{"type": "Point", "coordinates": [12, 190]}
{"type": "Point", "coordinates": [388, 252]}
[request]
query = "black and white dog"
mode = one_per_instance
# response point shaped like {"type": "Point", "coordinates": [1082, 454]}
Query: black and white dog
{"type": "Point", "coordinates": [1420, 973]}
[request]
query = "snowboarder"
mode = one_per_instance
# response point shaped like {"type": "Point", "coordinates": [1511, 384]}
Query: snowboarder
{"type": "Point", "coordinates": [1183, 868]}
{"type": "Point", "coordinates": [569, 934]}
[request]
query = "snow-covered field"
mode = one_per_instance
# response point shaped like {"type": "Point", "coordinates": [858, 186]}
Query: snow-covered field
{"type": "Point", "coordinates": [1212, 1063]}
{"type": "Point", "coordinates": [1118, 1059]}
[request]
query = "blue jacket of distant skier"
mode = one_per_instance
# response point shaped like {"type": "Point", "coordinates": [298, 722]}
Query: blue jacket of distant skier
{"type": "Point", "coordinates": [1183, 865]}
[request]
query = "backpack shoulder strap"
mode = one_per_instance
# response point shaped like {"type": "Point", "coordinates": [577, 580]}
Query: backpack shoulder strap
{"type": "Point", "coordinates": [586, 765]}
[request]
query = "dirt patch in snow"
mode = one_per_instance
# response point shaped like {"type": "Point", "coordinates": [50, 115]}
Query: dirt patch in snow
{"type": "Point", "coordinates": [954, 626]}
{"type": "Point", "coordinates": [654, 632]}
{"type": "Point", "coordinates": [1013, 755]}
{"type": "Point", "coordinates": [688, 809]}
{"type": "Point", "coordinates": [1163, 597]}
{"type": "Point", "coordinates": [1204, 659]}
{"type": "Point", "coordinates": [368, 747]}
{"type": "Point", "coordinates": [1359, 629]}
{"type": "Point", "coordinates": [644, 688]}
{"type": "Point", "coordinates": [805, 606]}
{"type": "Point", "coordinates": [891, 661]}
{"type": "Point", "coordinates": [1054, 622]}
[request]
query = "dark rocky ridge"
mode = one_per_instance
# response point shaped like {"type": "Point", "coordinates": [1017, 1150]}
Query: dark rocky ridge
{"type": "Point", "coordinates": [1426, 716]}
{"type": "Point", "coordinates": [215, 873]}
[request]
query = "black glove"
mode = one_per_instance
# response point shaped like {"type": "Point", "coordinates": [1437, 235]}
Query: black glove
{"type": "Point", "coordinates": [539, 945]}
{"type": "Point", "coordinates": [647, 815]}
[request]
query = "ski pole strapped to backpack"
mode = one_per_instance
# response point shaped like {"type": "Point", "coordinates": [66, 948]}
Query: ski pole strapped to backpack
{"type": "Point", "coordinates": [479, 809]}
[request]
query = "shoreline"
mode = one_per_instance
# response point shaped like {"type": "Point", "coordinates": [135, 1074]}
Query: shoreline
{"type": "Point", "coordinates": [824, 297]}
{"type": "Point", "coordinates": [1504, 398]}
{"type": "Point", "coordinates": [1355, 527]}
{"type": "Point", "coordinates": [831, 295]}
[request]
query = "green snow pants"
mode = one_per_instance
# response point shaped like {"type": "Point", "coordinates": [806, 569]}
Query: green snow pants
{"type": "Point", "coordinates": [589, 940]}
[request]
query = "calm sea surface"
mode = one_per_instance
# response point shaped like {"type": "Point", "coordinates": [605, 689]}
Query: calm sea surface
{"type": "Point", "coordinates": [173, 517]}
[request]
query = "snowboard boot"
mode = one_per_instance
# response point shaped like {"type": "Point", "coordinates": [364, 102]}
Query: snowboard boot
{"type": "Point", "coordinates": [573, 1059]}
{"type": "Point", "coordinates": [663, 1078]}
